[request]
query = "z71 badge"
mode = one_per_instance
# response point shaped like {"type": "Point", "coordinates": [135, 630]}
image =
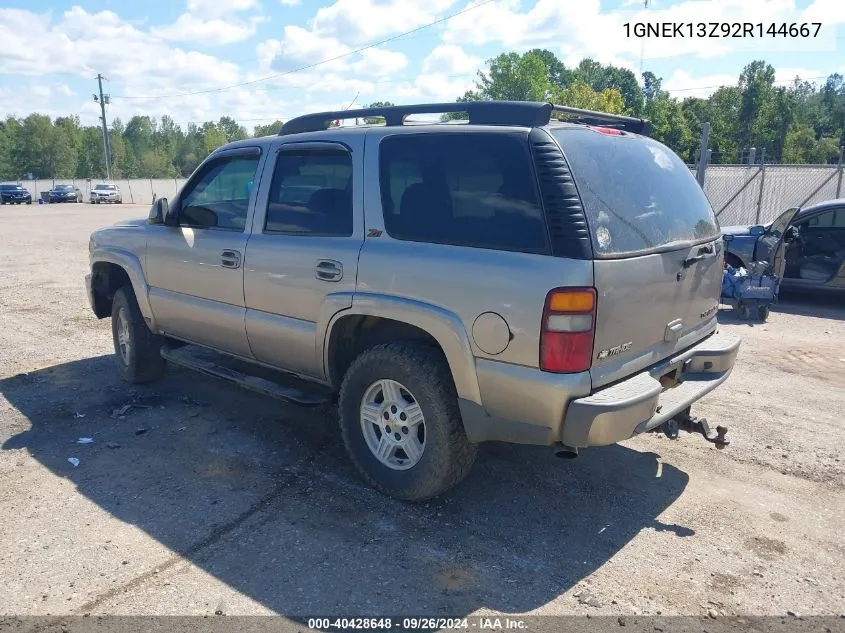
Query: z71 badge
{"type": "Point", "coordinates": [615, 351]}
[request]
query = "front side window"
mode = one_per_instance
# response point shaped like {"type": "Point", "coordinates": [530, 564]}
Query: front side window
{"type": "Point", "coordinates": [220, 197]}
{"type": "Point", "coordinates": [311, 193]}
{"type": "Point", "coordinates": [474, 190]}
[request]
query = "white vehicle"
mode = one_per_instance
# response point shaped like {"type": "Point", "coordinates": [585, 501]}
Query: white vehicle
{"type": "Point", "coordinates": [106, 192]}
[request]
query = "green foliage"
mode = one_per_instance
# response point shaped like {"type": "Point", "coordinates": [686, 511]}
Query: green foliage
{"type": "Point", "coordinates": [270, 129]}
{"type": "Point", "coordinates": [798, 123]}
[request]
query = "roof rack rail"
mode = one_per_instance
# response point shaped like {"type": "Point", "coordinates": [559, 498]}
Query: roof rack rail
{"type": "Point", "coordinates": [516, 113]}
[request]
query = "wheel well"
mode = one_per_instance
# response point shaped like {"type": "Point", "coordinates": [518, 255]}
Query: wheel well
{"type": "Point", "coordinates": [106, 279]}
{"type": "Point", "coordinates": [353, 334]}
{"type": "Point", "coordinates": [733, 261]}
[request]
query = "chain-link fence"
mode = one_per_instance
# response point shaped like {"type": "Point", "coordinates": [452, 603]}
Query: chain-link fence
{"type": "Point", "coordinates": [750, 194]}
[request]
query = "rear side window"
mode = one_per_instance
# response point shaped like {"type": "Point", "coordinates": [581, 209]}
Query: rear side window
{"type": "Point", "coordinates": [311, 194]}
{"type": "Point", "coordinates": [474, 190]}
{"type": "Point", "coordinates": [638, 195]}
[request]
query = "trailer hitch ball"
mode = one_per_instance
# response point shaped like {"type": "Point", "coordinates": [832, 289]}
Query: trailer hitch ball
{"type": "Point", "coordinates": [671, 428]}
{"type": "Point", "coordinates": [721, 440]}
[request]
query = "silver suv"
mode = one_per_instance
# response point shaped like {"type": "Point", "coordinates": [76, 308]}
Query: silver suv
{"type": "Point", "coordinates": [517, 278]}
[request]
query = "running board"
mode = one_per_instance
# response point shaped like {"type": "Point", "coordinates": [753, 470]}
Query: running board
{"type": "Point", "coordinates": [212, 364]}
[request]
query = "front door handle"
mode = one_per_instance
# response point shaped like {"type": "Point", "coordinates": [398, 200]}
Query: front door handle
{"type": "Point", "coordinates": [329, 270]}
{"type": "Point", "coordinates": [230, 258]}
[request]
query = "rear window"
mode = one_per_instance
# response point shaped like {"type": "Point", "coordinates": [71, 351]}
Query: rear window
{"type": "Point", "coordinates": [473, 190]}
{"type": "Point", "coordinates": [637, 193]}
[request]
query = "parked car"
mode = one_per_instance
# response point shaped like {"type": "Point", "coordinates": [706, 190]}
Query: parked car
{"type": "Point", "coordinates": [106, 192]}
{"type": "Point", "coordinates": [451, 284]}
{"type": "Point", "coordinates": [14, 194]}
{"type": "Point", "coordinates": [815, 251]}
{"type": "Point", "coordinates": [64, 193]}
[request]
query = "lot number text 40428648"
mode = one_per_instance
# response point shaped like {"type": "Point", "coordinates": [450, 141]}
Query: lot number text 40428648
{"type": "Point", "coordinates": [721, 29]}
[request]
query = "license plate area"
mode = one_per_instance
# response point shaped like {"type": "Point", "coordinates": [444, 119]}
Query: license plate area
{"type": "Point", "coordinates": [672, 376]}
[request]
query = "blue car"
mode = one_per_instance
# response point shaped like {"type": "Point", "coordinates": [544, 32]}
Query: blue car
{"type": "Point", "coordinates": [815, 245]}
{"type": "Point", "coordinates": [14, 194]}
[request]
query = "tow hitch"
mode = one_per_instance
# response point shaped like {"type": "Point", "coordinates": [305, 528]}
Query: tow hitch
{"type": "Point", "coordinates": [686, 422]}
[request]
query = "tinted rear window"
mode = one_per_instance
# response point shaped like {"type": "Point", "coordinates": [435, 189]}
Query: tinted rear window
{"type": "Point", "coordinates": [474, 190]}
{"type": "Point", "coordinates": [637, 193]}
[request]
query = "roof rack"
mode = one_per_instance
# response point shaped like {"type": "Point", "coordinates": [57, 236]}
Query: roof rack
{"type": "Point", "coordinates": [516, 113]}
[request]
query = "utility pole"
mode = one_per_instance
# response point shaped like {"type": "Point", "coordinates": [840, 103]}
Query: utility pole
{"type": "Point", "coordinates": [103, 100]}
{"type": "Point", "coordinates": [642, 44]}
{"type": "Point", "coordinates": [703, 154]}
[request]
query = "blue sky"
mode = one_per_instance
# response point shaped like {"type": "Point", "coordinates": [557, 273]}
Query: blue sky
{"type": "Point", "coordinates": [154, 52]}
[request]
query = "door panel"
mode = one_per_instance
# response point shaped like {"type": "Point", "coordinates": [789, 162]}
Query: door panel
{"type": "Point", "coordinates": [195, 270]}
{"type": "Point", "coordinates": [303, 252]}
{"type": "Point", "coordinates": [192, 294]}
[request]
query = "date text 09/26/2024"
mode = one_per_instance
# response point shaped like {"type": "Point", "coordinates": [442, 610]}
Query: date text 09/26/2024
{"type": "Point", "coordinates": [416, 623]}
{"type": "Point", "coordinates": [722, 29]}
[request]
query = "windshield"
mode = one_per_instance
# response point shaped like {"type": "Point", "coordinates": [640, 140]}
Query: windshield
{"type": "Point", "coordinates": [64, 187]}
{"type": "Point", "coordinates": [638, 194]}
{"type": "Point", "coordinates": [11, 188]}
{"type": "Point", "coordinates": [106, 187]}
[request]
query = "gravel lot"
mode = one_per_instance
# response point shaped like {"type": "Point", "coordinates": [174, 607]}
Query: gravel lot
{"type": "Point", "coordinates": [210, 499]}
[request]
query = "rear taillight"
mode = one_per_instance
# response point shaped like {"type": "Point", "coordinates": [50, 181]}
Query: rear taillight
{"type": "Point", "coordinates": [567, 330]}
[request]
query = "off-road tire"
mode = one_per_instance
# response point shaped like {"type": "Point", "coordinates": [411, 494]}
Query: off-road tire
{"type": "Point", "coordinates": [448, 454]}
{"type": "Point", "coordinates": [145, 363]}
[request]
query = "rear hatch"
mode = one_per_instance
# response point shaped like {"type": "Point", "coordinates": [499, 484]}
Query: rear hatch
{"type": "Point", "coordinates": [656, 244]}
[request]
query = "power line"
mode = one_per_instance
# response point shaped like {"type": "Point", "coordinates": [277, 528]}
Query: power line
{"type": "Point", "coordinates": [780, 81]}
{"type": "Point", "coordinates": [315, 64]}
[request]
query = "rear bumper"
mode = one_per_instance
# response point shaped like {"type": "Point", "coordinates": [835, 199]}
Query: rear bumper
{"type": "Point", "coordinates": [640, 403]}
{"type": "Point", "coordinates": [527, 406]}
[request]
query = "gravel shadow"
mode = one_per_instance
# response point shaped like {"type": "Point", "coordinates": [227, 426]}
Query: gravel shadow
{"type": "Point", "coordinates": [261, 496]}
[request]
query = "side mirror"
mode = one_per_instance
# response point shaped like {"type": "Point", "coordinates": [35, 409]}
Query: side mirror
{"type": "Point", "coordinates": [727, 237]}
{"type": "Point", "coordinates": [159, 211]}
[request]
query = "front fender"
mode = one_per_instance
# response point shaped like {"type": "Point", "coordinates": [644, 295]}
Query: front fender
{"type": "Point", "coordinates": [131, 263]}
{"type": "Point", "coordinates": [446, 328]}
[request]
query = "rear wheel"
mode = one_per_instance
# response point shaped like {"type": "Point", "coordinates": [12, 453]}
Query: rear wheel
{"type": "Point", "coordinates": [401, 424]}
{"type": "Point", "coordinates": [744, 311]}
{"type": "Point", "coordinates": [137, 349]}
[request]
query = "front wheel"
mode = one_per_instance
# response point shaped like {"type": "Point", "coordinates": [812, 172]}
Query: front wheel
{"type": "Point", "coordinates": [763, 312]}
{"type": "Point", "coordinates": [136, 347]}
{"type": "Point", "coordinates": [744, 311]}
{"type": "Point", "coordinates": [401, 424]}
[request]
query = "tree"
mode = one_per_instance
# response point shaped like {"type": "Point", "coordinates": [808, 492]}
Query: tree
{"type": "Point", "coordinates": [580, 95]}
{"type": "Point", "coordinates": [600, 78]}
{"type": "Point", "coordinates": [270, 129]}
{"type": "Point", "coordinates": [556, 72]}
{"type": "Point", "coordinates": [515, 77]}
{"type": "Point", "coordinates": [755, 83]}
{"type": "Point", "coordinates": [231, 130]}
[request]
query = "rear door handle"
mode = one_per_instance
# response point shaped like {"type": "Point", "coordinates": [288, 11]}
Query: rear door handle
{"type": "Point", "coordinates": [230, 258]}
{"type": "Point", "coordinates": [329, 270]}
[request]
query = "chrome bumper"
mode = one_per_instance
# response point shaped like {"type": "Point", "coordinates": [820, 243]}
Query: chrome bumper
{"type": "Point", "coordinates": [640, 403]}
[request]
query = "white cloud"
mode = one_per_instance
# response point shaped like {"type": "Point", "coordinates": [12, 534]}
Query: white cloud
{"type": "Point", "coordinates": [217, 8]}
{"type": "Point", "coordinates": [682, 84]}
{"type": "Point", "coordinates": [786, 75]}
{"type": "Point", "coordinates": [289, 3]}
{"type": "Point", "coordinates": [450, 59]}
{"type": "Point", "coordinates": [379, 62]}
{"type": "Point", "coordinates": [435, 87]}
{"type": "Point", "coordinates": [359, 21]}
{"type": "Point", "coordinates": [581, 29]}
{"type": "Point", "coordinates": [217, 31]}
{"type": "Point", "coordinates": [301, 47]}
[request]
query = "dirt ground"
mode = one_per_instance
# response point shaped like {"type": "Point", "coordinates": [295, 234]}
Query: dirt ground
{"type": "Point", "coordinates": [210, 499]}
